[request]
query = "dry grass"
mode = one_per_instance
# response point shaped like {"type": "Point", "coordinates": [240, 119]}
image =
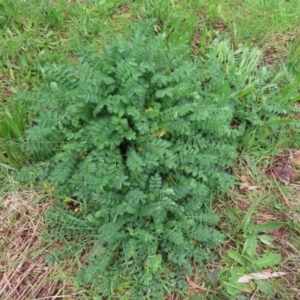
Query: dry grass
{"type": "Point", "coordinates": [24, 275]}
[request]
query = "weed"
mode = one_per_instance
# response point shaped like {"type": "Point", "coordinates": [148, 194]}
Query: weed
{"type": "Point", "coordinates": [34, 33]}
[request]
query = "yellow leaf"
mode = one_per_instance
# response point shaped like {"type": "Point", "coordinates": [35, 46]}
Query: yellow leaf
{"type": "Point", "coordinates": [149, 109]}
{"type": "Point", "coordinates": [160, 133]}
{"type": "Point", "coordinates": [67, 200]}
{"type": "Point", "coordinates": [49, 188]}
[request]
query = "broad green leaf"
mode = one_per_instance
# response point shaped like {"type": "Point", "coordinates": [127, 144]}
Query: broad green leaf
{"type": "Point", "coordinates": [234, 255]}
{"type": "Point", "coordinates": [267, 226]}
{"type": "Point", "coordinates": [268, 260]}
{"type": "Point", "coordinates": [266, 239]}
{"type": "Point", "coordinates": [233, 287]}
{"type": "Point", "coordinates": [247, 219]}
{"type": "Point", "coordinates": [265, 287]}
{"type": "Point", "coordinates": [250, 245]}
{"type": "Point", "coordinates": [213, 276]}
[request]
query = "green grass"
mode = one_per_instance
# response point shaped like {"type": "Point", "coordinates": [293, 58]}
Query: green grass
{"type": "Point", "coordinates": [35, 32]}
{"type": "Point", "coordinates": [256, 19]}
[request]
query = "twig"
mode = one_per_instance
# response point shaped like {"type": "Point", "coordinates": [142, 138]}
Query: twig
{"type": "Point", "coordinates": [60, 296]}
{"type": "Point", "coordinates": [252, 297]}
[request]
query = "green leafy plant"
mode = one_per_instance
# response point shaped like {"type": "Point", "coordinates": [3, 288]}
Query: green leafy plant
{"type": "Point", "coordinates": [138, 138]}
{"type": "Point", "coordinates": [265, 108]}
{"type": "Point", "coordinates": [248, 260]}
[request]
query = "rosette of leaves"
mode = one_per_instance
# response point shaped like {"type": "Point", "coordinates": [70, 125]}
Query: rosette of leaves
{"type": "Point", "coordinates": [140, 136]}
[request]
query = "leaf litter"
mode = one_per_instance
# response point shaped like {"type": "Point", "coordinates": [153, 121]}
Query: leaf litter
{"type": "Point", "coordinates": [23, 271]}
{"type": "Point", "coordinates": [282, 167]}
{"type": "Point", "coordinates": [266, 274]}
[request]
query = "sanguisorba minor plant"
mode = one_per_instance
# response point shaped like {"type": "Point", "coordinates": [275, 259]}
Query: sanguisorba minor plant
{"type": "Point", "coordinates": [140, 136]}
